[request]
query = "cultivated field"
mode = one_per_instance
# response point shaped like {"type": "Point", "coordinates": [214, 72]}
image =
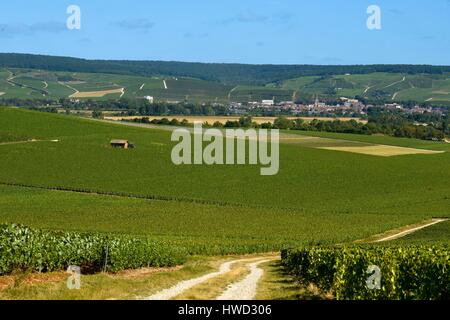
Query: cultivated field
{"type": "Point", "coordinates": [95, 94]}
{"type": "Point", "coordinates": [391, 86]}
{"type": "Point", "coordinates": [122, 209]}
{"type": "Point", "coordinates": [318, 196]}
{"type": "Point", "coordinates": [383, 150]}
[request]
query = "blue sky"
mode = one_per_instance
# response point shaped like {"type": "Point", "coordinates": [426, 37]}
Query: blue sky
{"type": "Point", "coordinates": [245, 31]}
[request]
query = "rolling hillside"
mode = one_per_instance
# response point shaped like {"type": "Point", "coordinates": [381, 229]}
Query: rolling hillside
{"type": "Point", "coordinates": [394, 87]}
{"type": "Point", "coordinates": [390, 87]}
{"type": "Point", "coordinates": [34, 76]}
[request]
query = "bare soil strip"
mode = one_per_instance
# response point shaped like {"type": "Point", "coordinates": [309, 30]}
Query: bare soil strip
{"type": "Point", "coordinates": [182, 286]}
{"type": "Point", "coordinates": [231, 91]}
{"type": "Point", "coordinates": [367, 89]}
{"type": "Point", "coordinates": [27, 141]}
{"type": "Point", "coordinates": [394, 83]}
{"type": "Point", "coordinates": [382, 150]}
{"type": "Point", "coordinates": [246, 288]}
{"type": "Point", "coordinates": [96, 94]}
{"type": "Point", "coordinates": [212, 288]}
{"type": "Point", "coordinates": [67, 86]}
{"type": "Point", "coordinates": [249, 283]}
{"type": "Point", "coordinates": [410, 230]}
{"type": "Point", "coordinates": [401, 232]}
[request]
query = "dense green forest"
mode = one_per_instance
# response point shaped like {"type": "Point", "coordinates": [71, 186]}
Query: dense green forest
{"type": "Point", "coordinates": [222, 72]}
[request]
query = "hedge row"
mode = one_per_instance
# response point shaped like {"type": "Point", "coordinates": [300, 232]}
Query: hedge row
{"type": "Point", "coordinates": [415, 272]}
{"type": "Point", "coordinates": [23, 248]}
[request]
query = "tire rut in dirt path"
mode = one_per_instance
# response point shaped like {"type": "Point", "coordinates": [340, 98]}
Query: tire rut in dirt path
{"type": "Point", "coordinates": [246, 288]}
{"type": "Point", "coordinates": [185, 285]}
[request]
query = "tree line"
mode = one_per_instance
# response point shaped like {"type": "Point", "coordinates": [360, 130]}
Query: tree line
{"type": "Point", "coordinates": [376, 125]}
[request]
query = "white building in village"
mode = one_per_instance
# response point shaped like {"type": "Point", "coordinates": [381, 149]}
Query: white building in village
{"type": "Point", "coordinates": [149, 99]}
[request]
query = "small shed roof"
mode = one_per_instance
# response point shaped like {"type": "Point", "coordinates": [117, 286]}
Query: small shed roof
{"type": "Point", "coordinates": [118, 141]}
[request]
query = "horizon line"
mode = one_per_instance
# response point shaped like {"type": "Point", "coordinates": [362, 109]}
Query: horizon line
{"type": "Point", "coordinates": [225, 63]}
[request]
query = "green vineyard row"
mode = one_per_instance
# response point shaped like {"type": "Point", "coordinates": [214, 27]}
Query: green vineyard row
{"type": "Point", "coordinates": [406, 273]}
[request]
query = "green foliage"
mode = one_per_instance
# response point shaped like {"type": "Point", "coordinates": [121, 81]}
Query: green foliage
{"type": "Point", "coordinates": [211, 209]}
{"type": "Point", "coordinates": [97, 114]}
{"type": "Point", "coordinates": [414, 272]}
{"type": "Point", "coordinates": [30, 249]}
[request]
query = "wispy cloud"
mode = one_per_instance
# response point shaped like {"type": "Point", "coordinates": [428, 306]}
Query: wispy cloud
{"type": "Point", "coordinates": [11, 30]}
{"type": "Point", "coordinates": [251, 17]}
{"type": "Point", "coordinates": [142, 25]}
{"type": "Point", "coordinates": [284, 16]}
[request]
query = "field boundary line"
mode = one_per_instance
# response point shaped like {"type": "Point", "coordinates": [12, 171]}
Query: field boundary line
{"type": "Point", "coordinates": [394, 83]}
{"type": "Point", "coordinates": [402, 231]}
{"type": "Point", "coordinates": [130, 195]}
{"type": "Point", "coordinates": [231, 91]}
{"type": "Point", "coordinates": [70, 87]}
{"type": "Point", "coordinates": [25, 141]}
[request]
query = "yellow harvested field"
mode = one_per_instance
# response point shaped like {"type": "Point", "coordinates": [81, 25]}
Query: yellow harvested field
{"type": "Point", "coordinates": [382, 150]}
{"type": "Point", "coordinates": [223, 119]}
{"type": "Point", "coordinates": [441, 92]}
{"type": "Point", "coordinates": [95, 94]}
{"type": "Point", "coordinates": [75, 82]}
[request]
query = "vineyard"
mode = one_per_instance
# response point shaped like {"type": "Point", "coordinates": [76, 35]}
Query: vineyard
{"type": "Point", "coordinates": [413, 272]}
{"type": "Point", "coordinates": [39, 84]}
{"type": "Point", "coordinates": [23, 248]}
{"type": "Point", "coordinates": [85, 203]}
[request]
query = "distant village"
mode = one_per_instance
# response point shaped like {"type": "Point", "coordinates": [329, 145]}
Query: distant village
{"type": "Point", "coordinates": [346, 107]}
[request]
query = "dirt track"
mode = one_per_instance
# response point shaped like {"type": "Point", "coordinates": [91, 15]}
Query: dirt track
{"type": "Point", "coordinates": [244, 289]}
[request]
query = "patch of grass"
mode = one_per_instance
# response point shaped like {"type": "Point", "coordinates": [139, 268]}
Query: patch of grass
{"type": "Point", "coordinates": [102, 286]}
{"type": "Point", "coordinates": [211, 289]}
{"type": "Point", "coordinates": [278, 284]}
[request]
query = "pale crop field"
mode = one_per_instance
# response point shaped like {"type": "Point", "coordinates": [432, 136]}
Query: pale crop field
{"type": "Point", "coordinates": [383, 151]}
{"type": "Point", "coordinates": [95, 94]}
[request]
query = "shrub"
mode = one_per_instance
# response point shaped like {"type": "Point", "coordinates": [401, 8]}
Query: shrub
{"type": "Point", "coordinates": [29, 249]}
